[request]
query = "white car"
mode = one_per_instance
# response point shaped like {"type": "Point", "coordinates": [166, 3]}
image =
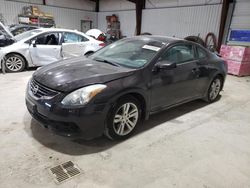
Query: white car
{"type": "Point", "coordinates": [97, 34]}
{"type": "Point", "coordinates": [44, 46]}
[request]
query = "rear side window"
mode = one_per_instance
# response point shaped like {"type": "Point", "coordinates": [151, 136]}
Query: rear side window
{"type": "Point", "coordinates": [179, 54]}
{"type": "Point", "coordinates": [201, 53]}
{"type": "Point", "coordinates": [73, 38]}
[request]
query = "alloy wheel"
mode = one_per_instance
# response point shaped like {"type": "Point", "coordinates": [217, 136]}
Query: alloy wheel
{"type": "Point", "coordinates": [125, 119]}
{"type": "Point", "coordinates": [215, 89]}
{"type": "Point", "coordinates": [14, 63]}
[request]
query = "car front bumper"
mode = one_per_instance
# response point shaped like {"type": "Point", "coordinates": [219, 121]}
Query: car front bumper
{"type": "Point", "coordinates": [1, 58]}
{"type": "Point", "coordinates": [84, 122]}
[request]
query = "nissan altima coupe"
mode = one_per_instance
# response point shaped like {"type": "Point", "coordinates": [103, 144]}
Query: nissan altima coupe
{"type": "Point", "coordinates": [114, 89]}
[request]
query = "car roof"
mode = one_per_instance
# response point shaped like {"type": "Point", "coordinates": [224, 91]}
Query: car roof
{"type": "Point", "coordinates": [57, 29]}
{"type": "Point", "coordinates": [44, 30]}
{"type": "Point", "coordinates": [158, 38]}
{"type": "Point", "coordinates": [21, 25]}
{"type": "Point", "coordinates": [64, 30]}
{"type": "Point", "coordinates": [167, 40]}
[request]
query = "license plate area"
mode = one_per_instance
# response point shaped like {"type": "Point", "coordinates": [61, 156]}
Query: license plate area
{"type": "Point", "coordinates": [31, 106]}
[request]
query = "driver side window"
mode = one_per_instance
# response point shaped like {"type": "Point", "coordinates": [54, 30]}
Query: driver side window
{"type": "Point", "coordinates": [48, 39]}
{"type": "Point", "coordinates": [179, 54]}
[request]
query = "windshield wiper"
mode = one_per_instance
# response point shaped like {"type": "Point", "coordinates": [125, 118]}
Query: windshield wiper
{"type": "Point", "coordinates": [106, 61]}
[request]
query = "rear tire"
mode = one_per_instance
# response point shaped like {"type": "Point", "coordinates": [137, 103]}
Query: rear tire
{"type": "Point", "coordinates": [14, 63]}
{"type": "Point", "coordinates": [123, 119]}
{"type": "Point", "coordinates": [214, 89]}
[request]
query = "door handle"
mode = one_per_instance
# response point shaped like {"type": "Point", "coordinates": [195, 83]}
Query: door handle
{"type": "Point", "coordinates": [61, 52]}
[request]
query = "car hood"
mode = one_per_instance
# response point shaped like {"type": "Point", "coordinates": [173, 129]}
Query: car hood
{"type": "Point", "coordinates": [6, 38]}
{"type": "Point", "coordinates": [5, 31]}
{"type": "Point", "coordinates": [71, 74]}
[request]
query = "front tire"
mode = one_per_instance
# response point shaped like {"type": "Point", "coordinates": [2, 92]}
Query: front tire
{"type": "Point", "coordinates": [214, 90]}
{"type": "Point", "coordinates": [14, 63]}
{"type": "Point", "coordinates": [123, 118]}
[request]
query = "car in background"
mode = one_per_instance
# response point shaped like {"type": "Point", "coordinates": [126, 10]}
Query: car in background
{"type": "Point", "coordinates": [17, 29]}
{"type": "Point", "coordinates": [7, 33]}
{"type": "Point", "coordinates": [43, 46]}
{"type": "Point", "coordinates": [6, 38]}
{"type": "Point", "coordinates": [96, 34]}
{"type": "Point", "coordinates": [101, 36]}
{"type": "Point", "coordinates": [112, 90]}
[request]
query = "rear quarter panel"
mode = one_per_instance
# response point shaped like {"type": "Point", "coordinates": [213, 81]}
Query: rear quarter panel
{"type": "Point", "coordinates": [217, 66]}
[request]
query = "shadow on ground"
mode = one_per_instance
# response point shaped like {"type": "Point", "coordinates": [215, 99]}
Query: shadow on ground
{"type": "Point", "coordinates": [84, 147]}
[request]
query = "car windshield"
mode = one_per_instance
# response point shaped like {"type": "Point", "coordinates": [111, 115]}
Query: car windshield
{"type": "Point", "coordinates": [131, 53]}
{"type": "Point", "coordinates": [27, 34]}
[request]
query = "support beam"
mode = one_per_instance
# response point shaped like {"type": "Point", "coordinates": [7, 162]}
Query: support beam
{"type": "Point", "coordinates": [139, 5]}
{"type": "Point", "coordinates": [97, 5]}
{"type": "Point", "coordinates": [224, 14]}
{"type": "Point", "coordinates": [44, 2]}
{"type": "Point", "coordinates": [138, 18]}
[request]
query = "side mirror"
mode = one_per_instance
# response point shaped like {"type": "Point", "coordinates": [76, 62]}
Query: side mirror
{"type": "Point", "coordinates": [33, 43]}
{"type": "Point", "coordinates": [164, 65]}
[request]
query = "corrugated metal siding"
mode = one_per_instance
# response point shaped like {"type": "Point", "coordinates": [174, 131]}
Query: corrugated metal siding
{"type": "Point", "coordinates": [171, 3]}
{"type": "Point", "coordinates": [182, 21]}
{"type": "Point", "coordinates": [64, 18]}
{"type": "Point", "coordinates": [76, 4]}
{"type": "Point", "coordinates": [174, 21]}
{"type": "Point", "coordinates": [241, 15]}
{"type": "Point", "coordinates": [30, 1]}
{"type": "Point", "coordinates": [114, 5]}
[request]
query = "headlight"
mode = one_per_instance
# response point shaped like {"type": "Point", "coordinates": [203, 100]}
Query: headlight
{"type": "Point", "coordinates": [83, 95]}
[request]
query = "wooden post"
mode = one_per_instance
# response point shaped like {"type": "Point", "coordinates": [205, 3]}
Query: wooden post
{"type": "Point", "coordinates": [223, 19]}
{"type": "Point", "coordinates": [139, 5]}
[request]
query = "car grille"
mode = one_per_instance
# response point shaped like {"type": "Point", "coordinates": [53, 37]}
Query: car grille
{"type": "Point", "coordinates": [39, 90]}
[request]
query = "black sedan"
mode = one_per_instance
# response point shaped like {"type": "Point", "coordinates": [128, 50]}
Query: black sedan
{"type": "Point", "coordinates": [111, 91]}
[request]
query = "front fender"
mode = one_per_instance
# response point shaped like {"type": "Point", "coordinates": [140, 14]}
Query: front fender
{"type": "Point", "coordinates": [137, 92]}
